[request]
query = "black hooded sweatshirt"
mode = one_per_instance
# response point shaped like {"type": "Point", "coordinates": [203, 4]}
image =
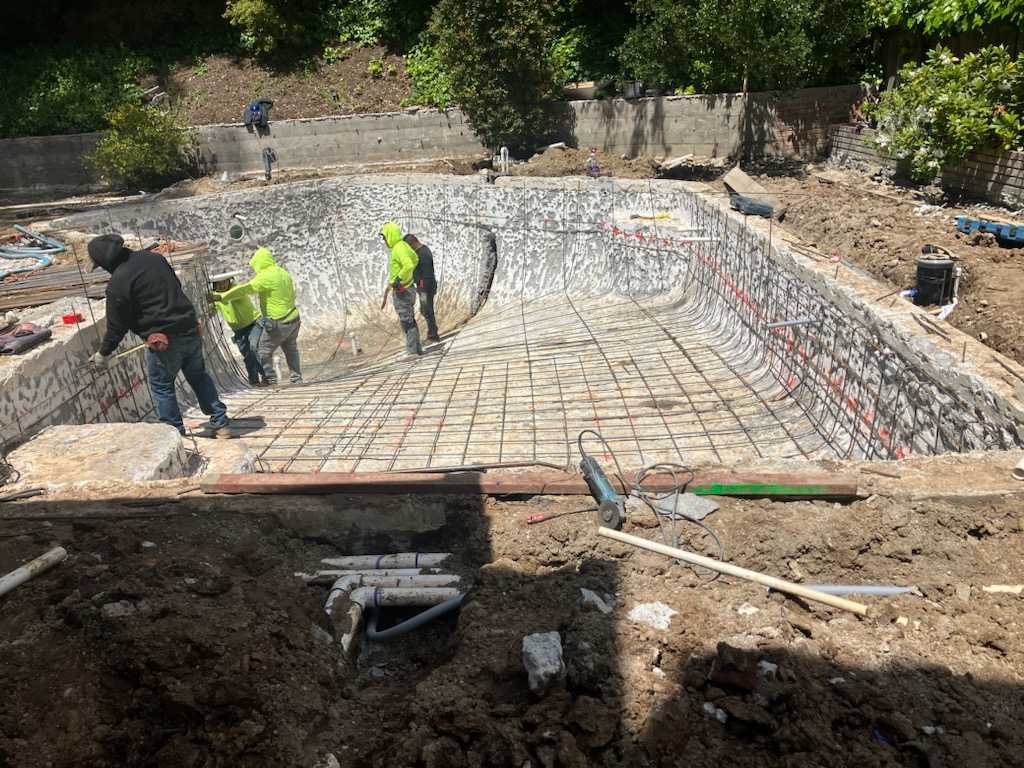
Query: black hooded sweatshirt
{"type": "Point", "coordinates": [143, 296]}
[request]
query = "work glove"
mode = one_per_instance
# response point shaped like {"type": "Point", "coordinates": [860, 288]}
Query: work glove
{"type": "Point", "coordinates": [100, 361]}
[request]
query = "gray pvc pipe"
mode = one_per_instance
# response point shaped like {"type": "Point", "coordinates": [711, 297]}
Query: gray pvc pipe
{"type": "Point", "coordinates": [854, 589]}
{"type": "Point", "coordinates": [415, 622]}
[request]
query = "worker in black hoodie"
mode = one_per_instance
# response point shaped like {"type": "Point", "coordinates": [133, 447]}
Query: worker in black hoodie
{"type": "Point", "coordinates": [145, 296]}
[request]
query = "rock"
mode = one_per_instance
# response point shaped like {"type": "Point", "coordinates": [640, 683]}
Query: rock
{"type": "Point", "coordinates": [748, 712]}
{"type": "Point", "coordinates": [590, 599]}
{"type": "Point", "coordinates": [75, 456]}
{"type": "Point", "coordinates": [148, 545]}
{"type": "Point", "coordinates": [711, 712]}
{"type": "Point", "coordinates": [689, 504]}
{"type": "Point", "coordinates": [768, 670]}
{"type": "Point", "coordinates": [734, 669]}
{"type": "Point", "coordinates": [901, 621]}
{"type": "Point", "coordinates": [963, 592]}
{"type": "Point", "coordinates": [119, 610]}
{"type": "Point", "coordinates": [656, 615]}
{"type": "Point", "coordinates": [596, 720]}
{"type": "Point", "coordinates": [747, 610]}
{"type": "Point", "coordinates": [542, 658]}
{"type": "Point", "coordinates": [327, 761]}
{"type": "Point", "coordinates": [377, 673]}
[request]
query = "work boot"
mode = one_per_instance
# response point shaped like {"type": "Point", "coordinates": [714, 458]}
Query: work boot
{"type": "Point", "coordinates": [434, 338]}
{"type": "Point", "coordinates": [224, 433]}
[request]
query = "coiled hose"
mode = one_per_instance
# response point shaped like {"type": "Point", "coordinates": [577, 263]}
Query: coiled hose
{"type": "Point", "coordinates": [41, 253]}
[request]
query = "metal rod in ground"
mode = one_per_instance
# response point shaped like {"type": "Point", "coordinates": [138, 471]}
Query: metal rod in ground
{"type": "Point", "coordinates": [32, 569]}
{"type": "Point", "coordinates": [734, 570]}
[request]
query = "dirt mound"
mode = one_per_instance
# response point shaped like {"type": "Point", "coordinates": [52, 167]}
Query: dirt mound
{"type": "Point", "coordinates": [215, 89]}
{"type": "Point", "coordinates": [573, 162]}
{"type": "Point", "coordinates": [882, 229]}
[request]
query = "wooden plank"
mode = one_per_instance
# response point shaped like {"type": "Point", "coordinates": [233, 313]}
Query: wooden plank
{"type": "Point", "coordinates": [786, 485]}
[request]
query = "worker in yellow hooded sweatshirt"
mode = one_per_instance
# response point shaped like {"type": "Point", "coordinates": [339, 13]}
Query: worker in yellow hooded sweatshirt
{"type": "Point", "coordinates": [275, 290]}
{"type": "Point", "coordinates": [401, 266]}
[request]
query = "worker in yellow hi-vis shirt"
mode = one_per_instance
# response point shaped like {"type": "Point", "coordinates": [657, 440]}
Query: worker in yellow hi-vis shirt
{"type": "Point", "coordinates": [276, 292]}
{"type": "Point", "coordinates": [401, 266]}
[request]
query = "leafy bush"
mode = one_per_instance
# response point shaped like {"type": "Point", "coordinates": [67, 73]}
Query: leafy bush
{"type": "Point", "coordinates": [946, 17]}
{"type": "Point", "coordinates": [142, 146]}
{"type": "Point", "coordinates": [567, 53]}
{"type": "Point", "coordinates": [72, 93]}
{"type": "Point", "coordinates": [396, 23]}
{"type": "Point", "coordinates": [772, 44]}
{"type": "Point", "coordinates": [375, 68]}
{"type": "Point", "coordinates": [498, 55]}
{"type": "Point", "coordinates": [431, 85]}
{"type": "Point", "coordinates": [947, 107]}
{"type": "Point", "coordinates": [273, 26]}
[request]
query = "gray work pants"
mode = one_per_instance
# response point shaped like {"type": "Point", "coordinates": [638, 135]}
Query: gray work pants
{"type": "Point", "coordinates": [284, 335]}
{"type": "Point", "coordinates": [405, 306]}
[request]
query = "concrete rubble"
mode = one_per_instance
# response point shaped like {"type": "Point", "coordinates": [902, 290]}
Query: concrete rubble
{"type": "Point", "coordinates": [542, 658]}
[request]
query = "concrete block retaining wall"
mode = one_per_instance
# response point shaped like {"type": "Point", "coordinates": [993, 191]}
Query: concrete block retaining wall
{"type": "Point", "coordinates": [993, 176]}
{"type": "Point", "coordinates": [759, 124]}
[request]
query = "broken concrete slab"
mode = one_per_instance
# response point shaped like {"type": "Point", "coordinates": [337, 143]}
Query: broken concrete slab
{"type": "Point", "coordinates": [79, 455]}
{"type": "Point", "coordinates": [738, 182]}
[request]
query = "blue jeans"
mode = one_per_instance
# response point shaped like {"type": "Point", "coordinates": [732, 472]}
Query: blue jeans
{"type": "Point", "coordinates": [246, 340]}
{"type": "Point", "coordinates": [185, 354]}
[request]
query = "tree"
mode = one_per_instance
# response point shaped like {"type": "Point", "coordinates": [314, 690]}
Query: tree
{"type": "Point", "coordinates": [498, 58]}
{"type": "Point", "coordinates": [717, 45]}
{"type": "Point", "coordinates": [946, 17]}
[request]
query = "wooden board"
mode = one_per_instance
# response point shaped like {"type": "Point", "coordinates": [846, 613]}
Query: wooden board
{"type": "Point", "coordinates": [783, 485]}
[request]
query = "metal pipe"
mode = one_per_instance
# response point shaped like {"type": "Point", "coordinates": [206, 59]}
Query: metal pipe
{"type": "Point", "coordinates": [32, 569]}
{"type": "Point", "coordinates": [793, 323]}
{"type": "Point", "coordinates": [858, 589]}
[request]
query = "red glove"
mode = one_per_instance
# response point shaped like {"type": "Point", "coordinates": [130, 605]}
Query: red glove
{"type": "Point", "coordinates": [158, 342]}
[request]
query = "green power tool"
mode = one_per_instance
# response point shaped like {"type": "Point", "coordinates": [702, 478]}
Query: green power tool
{"type": "Point", "coordinates": [611, 505]}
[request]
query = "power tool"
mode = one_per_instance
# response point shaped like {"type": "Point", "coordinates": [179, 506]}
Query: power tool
{"type": "Point", "coordinates": [611, 506]}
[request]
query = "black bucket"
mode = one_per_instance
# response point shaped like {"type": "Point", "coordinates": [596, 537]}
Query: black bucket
{"type": "Point", "coordinates": [935, 281]}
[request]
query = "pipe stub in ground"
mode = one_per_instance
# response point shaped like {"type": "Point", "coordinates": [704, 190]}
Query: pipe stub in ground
{"type": "Point", "coordinates": [1018, 470]}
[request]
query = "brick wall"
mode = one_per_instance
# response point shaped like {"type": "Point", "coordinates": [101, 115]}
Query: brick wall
{"type": "Point", "coordinates": [993, 176]}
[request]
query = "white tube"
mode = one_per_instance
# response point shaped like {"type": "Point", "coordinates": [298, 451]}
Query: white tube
{"type": "Point", "coordinates": [330, 576]}
{"type": "Point", "coordinates": [349, 583]}
{"type": "Point", "coordinates": [32, 569]}
{"type": "Point", "coordinates": [400, 560]}
{"type": "Point", "coordinates": [1018, 470]}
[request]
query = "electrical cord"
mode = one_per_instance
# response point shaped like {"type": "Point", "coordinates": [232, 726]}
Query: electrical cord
{"type": "Point", "coordinates": [682, 476]}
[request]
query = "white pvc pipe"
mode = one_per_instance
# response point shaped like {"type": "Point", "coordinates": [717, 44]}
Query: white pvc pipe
{"type": "Point", "coordinates": [349, 583]}
{"type": "Point", "coordinates": [330, 576]}
{"type": "Point", "coordinates": [1018, 470]}
{"type": "Point", "coordinates": [399, 560]}
{"type": "Point", "coordinates": [32, 569]}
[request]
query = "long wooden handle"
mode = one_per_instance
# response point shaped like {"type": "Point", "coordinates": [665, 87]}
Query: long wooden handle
{"type": "Point", "coordinates": [733, 570]}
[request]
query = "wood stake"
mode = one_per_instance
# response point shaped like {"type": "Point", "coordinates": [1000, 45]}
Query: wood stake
{"type": "Point", "coordinates": [780, 585]}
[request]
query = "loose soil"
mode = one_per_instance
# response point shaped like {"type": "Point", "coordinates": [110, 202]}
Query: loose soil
{"type": "Point", "coordinates": [573, 162]}
{"type": "Point", "coordinates": [881, 228]}
{"type": "Point", "coordinates": [186, 640]}
{"type": "Point", "coordinates": [216, 89]}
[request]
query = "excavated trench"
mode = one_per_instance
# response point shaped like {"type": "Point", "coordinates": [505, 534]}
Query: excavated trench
{"type": "Point", "coordinates": [676, 329]}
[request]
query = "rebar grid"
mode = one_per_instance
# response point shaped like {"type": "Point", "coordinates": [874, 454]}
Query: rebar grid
{"type": "Point", "coordinates": [690, 374]}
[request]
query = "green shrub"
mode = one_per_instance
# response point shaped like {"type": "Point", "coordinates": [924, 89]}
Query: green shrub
{"type": "Point", "coordinates": [375, 68]}
{"type": "Point", "coordinates": [396, 23]}
{"type": "Point", "coordinates": [66, 93]}
{"type": "Point", "coordinates": [274, 26]}
{"type": "Point", "coordinates": [567, 53]}
{"type": "Point", "coordinates": [142, 146]}
{"type": "Point", "coordinates": [431, 86]}
{"type": "Point", "coordinates": [947, 107]}
{"type": "Point", "coordinates": [498, 55]}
